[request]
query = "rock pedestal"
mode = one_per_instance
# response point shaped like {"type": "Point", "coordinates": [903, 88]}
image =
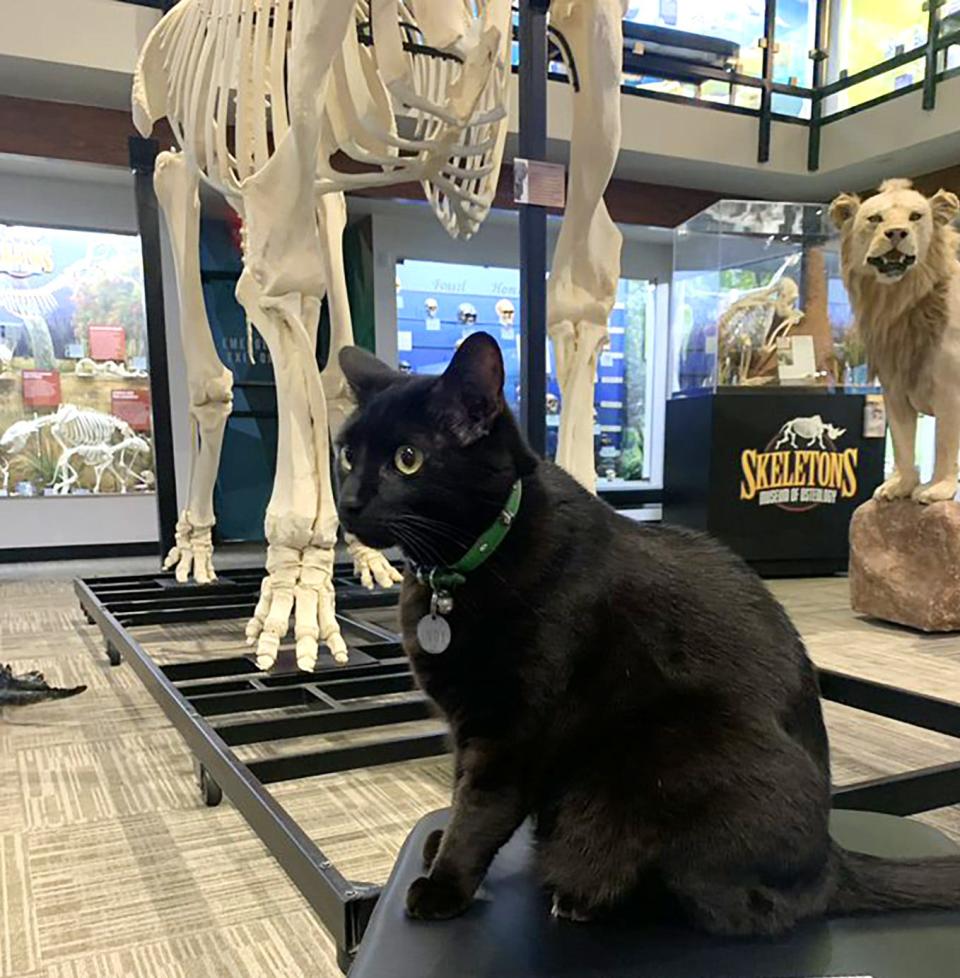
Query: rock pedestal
{"type": "Point", "coordinates": [905, 563]}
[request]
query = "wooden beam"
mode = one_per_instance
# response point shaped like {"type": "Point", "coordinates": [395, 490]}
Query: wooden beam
{"type": "Point", "coordinates": [62, 131]}
{"type": "Point", "coordinates": [87, 134]}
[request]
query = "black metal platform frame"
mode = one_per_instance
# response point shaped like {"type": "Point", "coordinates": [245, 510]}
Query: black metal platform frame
{"type": "Point", "coordinates": [203, 698]}
{"type": "Point", "coordinates": [195, 696]}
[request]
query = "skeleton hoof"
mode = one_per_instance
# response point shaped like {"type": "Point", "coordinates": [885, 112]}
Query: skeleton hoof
{"type": "Point", "coordinates": [338, 649]}
{"type": "Point", "coordinates": [307, 650]}
{"type": "Point", "coordinates": [268, 648]}
{"type": "Point", "coordinates": [265, 662]}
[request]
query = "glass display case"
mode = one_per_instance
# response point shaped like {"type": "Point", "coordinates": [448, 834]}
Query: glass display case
{"type": "Point", "coordinates": [75, 408]}
{"type": "Point", "coordinates": [440, 303]}
{"type": "Point", "coordinates": [758, 302]}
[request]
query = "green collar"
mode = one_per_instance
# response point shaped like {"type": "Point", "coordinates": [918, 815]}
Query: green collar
{"type": "Point", "coordinates": [447, 578]}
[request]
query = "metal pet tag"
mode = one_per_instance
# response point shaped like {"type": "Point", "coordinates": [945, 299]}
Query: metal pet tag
{"type": "Point", "coordinates": [433, 634]}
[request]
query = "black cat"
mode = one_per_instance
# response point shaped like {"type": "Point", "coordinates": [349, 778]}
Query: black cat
{"type": "Point", "coordinates": [635, 689]}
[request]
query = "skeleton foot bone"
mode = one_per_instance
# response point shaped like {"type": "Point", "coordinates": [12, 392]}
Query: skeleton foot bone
{"type": "Point", "coordinates": [371, 566]}
{"type": "Point", "coordinates": [301, 580]}
{"type": "Point", "coordinates": [192, 551]}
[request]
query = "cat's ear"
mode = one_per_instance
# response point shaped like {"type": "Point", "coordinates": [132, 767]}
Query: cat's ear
{"type": "Point", "coordinates": [365, 374]}
{"type": "Point", "coordinates": [469, 397]}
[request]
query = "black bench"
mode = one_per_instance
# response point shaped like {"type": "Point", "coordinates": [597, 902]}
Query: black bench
{"type": "Point", "coordinates": [509, 932]}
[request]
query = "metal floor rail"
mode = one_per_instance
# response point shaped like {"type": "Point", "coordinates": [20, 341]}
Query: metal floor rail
{"type": "Point", "coordinates": [214, 704]}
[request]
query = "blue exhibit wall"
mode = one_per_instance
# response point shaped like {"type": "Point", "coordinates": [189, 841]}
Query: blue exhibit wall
{"type": "Point", "coordinates": [436, 306]}
{"type": "Point", "coordinates": [248, 460]}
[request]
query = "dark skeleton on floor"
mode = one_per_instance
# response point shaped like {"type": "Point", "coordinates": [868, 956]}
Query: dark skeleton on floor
{"type": "Point", "coordinates": [29, 688]}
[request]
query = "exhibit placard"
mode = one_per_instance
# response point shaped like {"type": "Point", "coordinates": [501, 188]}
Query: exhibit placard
{"type": "Point", "coordinates": [41, 388]}
{"type": "Point", "coordinates": [107, 343]}
{"type": "Point", "coordinates": [539, 183]}
{"type": "Point", "coordinates": [775, 475]}
{"type": "Point", "coordinates": [132, 406]}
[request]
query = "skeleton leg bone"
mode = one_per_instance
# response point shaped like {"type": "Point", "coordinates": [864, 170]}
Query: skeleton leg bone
{"type": "Point", "coordinates": [209, 381]}
{"type": "Point", "coordinates": [280, 290]}
{"type": "Point", "coordinates": [586, 264]}
{"type": "Point", "coordinates": [370, 565]}
{"type": "Point", "coordinates": [300, 554]}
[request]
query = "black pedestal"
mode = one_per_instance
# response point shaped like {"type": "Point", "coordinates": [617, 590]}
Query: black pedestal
{"type": "Point", "coordinates": [509, 932]}
{"type": "Point", "coordinates": [756, 469]}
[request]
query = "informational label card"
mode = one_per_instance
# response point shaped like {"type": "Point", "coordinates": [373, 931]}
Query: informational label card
{"type": "Point", "coordinates": [133, 407]}
{"type": "Point", "coordinates": [796, 360]}
{"type": "Point", "coordinates": [536, 182]}
{"type": "Point", "coordinates": [108, 343]}
{"type": "Point", "coordinates": [874, 416]}
{"type": "Point", "coordinates": [41, 388]}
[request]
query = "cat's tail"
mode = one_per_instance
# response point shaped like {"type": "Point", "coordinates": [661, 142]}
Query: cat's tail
{"type": "Point", "coordinates": [866, 884]}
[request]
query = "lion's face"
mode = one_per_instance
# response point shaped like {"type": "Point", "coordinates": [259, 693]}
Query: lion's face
{"type": "Point", "coordinates": [889, 234]}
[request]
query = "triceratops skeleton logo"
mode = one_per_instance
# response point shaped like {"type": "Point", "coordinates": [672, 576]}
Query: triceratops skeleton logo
{"type": "Point", "coordinates": [801, 467]}
{"type": "Point", "coordinates": [812, 430]}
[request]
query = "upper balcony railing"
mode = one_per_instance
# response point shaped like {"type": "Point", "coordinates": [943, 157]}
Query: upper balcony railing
{"type": "Point", "coordinates": [802, 62]}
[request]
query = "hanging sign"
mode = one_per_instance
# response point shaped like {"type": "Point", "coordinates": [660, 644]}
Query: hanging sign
{"type": "Point", "coordinates": [539, 183]}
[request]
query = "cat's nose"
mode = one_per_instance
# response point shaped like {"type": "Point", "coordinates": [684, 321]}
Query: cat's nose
{"type": "Point", "coordinates": [896, 235]}
{"type": "Point", "coordinates": [349, 505]}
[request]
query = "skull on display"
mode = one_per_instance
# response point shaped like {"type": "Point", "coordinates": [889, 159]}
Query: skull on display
{"type": "Point", "coordinates": [467, 314]}
{"type": "Point", "coordinates": [432, 308]}
{"type": "Point", "coordinates": [505, 312]}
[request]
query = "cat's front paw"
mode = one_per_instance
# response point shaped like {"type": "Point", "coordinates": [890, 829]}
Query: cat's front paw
{"type": "Point", "coordinates": [566, 908]}
{"type": "Point", "coordinates": [436, 899]}
{"type": "Point", "coordinates": [431, 847]}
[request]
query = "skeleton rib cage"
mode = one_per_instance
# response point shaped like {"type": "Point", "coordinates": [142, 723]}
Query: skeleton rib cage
{"type": "Point", "coordinates": [73, 427]}
{"type": "Point", "coordinates": [226, 63]}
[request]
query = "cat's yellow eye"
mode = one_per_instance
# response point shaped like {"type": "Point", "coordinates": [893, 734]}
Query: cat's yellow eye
{"type": "Point", "coordinates": [916, 216]}
{"type": "Point", "coordinates": [408, 459]}
{"type": "Point", "coordinates": [346, 459]}
{"type": "Point", "coordinates": [875, 218]}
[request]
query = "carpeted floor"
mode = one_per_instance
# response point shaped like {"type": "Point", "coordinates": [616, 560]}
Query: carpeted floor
{"type": "Point", "coordinates": [111, 867]}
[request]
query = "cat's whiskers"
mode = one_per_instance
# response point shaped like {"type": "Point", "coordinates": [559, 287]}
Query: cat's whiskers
{"type": "Point", "coordinates": [410, 522]}
{"type": "Point", "coordinates": [413, 546]}
{"type": "Point", "coordinates": [432, 534]}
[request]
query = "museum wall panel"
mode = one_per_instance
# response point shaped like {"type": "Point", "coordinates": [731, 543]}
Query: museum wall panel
{"type": "Point", "coordinates": [88, 198]}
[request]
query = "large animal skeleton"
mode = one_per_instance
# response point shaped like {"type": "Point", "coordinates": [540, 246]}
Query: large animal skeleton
{"type": "Point", "coordinates": [117, 459]}
{"type": "Point", "coordinates": [265, 97]}
{"type": "Point", "coordinates": [85, 433]}
{"type": "Point", "coordinates": [13, 442]}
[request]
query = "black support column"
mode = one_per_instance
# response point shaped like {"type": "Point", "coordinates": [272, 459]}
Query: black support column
{"type": "Point", "coordinates": [533, 225]}
{"type": "Point", "coordinates": [818, 55]}
{"type": "Point", "coordinates": [769, 42]}
{"type": "Point", "coordinates": [143, 155]}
